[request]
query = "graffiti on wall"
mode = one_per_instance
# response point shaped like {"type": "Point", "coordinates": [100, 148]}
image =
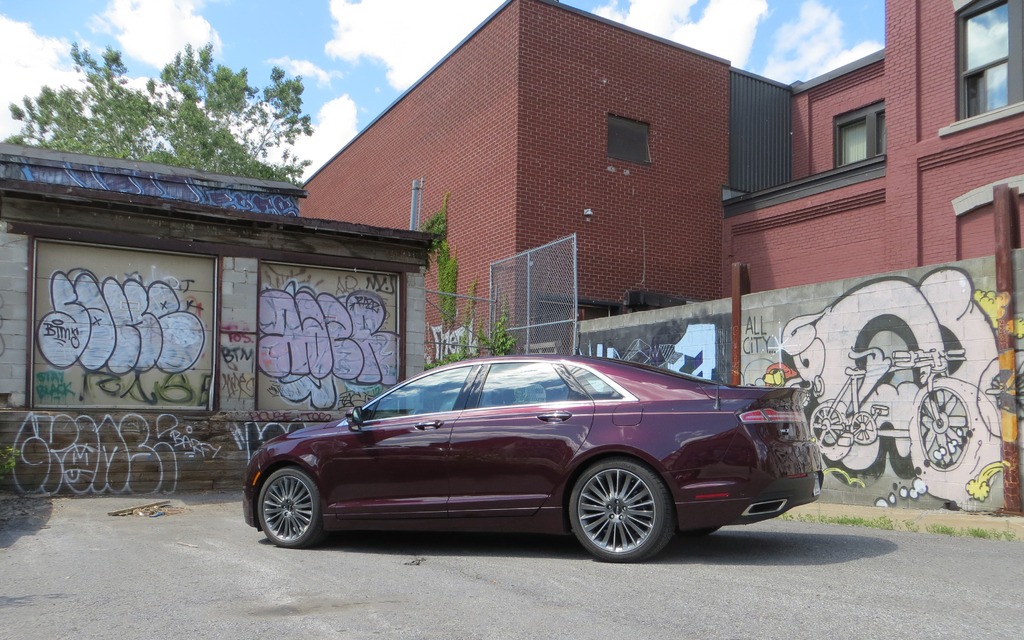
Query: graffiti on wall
{"type": "Point", "coordinates": [106, 335]}
{"type": "Point", "coordinates": [324, 350]}
{"type": "Point", "coordinates": [687, 348]}
{"type": "Point", "coordinates": [902, 373]}
{"type": "Point", "coordinates": [82, 454]}
{"type": "Point", "coordinates": [168, 187]}
{"type": "Point", "coordinates": [130, 453]}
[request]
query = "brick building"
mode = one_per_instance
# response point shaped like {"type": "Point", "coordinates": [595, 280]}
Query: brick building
{"type": "Point", "coordinates": [894, 157]}
{"type": "Point", "coordinates": [885, 164]}
{"type": "Point", "coordinates": [522, 125]}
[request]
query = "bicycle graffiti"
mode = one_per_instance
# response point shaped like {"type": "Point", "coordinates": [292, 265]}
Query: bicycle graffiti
{"type": "Point", "coordinates": [904, 373]}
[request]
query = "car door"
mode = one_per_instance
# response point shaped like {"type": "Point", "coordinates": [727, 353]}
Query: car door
{"type": "Point", "coordinates": [395, 465]}
{"type": "Point", "coordinates": [510, 450]}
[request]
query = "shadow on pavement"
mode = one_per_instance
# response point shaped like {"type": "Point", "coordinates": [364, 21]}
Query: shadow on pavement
{"type": "Point", "coordinates": [22, 516]}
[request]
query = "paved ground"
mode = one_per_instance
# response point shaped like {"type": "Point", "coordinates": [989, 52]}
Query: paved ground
{"type": "Point", "coordinates": [32, 509]}
{"type": "Point", "coordinates": [69, 570]}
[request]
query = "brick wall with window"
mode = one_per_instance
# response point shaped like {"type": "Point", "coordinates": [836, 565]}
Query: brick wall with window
{"type": "Point", "coordinates": [514, 124]}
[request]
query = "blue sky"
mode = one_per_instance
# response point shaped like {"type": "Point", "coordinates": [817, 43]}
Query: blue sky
{"type": "Point", "coordinates": [357, 56]}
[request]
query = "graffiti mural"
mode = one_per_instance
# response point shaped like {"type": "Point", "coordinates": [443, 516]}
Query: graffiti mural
{"type": "Point", "coordinates": [107, 335]}
{"type": "Point", "coordinates": [85, 455]}
{"type": "Point", "coordinates": [900, 372]}
{"type": "Point", "coordinates": [691, 348]}
{"type": "Point", "coordinates": [321, 349]}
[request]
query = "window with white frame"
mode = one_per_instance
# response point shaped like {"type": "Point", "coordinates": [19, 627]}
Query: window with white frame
{"type": "Point", "coordinates": [991, 59]}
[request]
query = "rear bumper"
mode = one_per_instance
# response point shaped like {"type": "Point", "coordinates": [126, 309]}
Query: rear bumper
{"type": "Point", "coordinates": [773, 500]}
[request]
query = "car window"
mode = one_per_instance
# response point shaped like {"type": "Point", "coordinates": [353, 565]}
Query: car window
{"type": "Point", "coordinates": [516, 383]}
{"type": "Point", "coordinates": [595, 385]}
{"type": "Point", "coordinates": [429, 394]}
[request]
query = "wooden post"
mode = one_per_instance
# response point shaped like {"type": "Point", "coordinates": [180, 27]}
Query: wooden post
{"type": "Point", "coordinates": [1007, 211]}
{"type": "Point", "coordinates": [740, 287]}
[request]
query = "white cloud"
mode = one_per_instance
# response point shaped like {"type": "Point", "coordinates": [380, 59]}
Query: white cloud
{"type": "Point", "coordinates": [154, 30]}
{"type": "Point", "coordinates": [29, 62]}
{"type": "Point", "coordinates": [812, 45]}
{"type": "Point", "coordinates": [407, 36]}
{"type": "Point", "coordinates": [725, 29]}
{"type": "Point", "coordinates": [335, 126]}
{"type": "Point", "coordinates": [307, 70]}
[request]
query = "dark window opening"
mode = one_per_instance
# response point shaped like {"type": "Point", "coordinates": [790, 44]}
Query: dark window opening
{"type": "Point", "coordinates": [860, 134]}
{"type": "Point", "coordinates": [627, 140]}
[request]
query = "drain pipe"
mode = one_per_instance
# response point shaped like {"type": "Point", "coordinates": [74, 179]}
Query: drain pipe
{"type": "Point", "coordinates": [414, 208]}
{"type": "Point", "coordinates": [1007, 212]}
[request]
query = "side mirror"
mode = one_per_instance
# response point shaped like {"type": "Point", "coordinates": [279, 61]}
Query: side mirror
{"type": "Point", "coordinates": [355, 418]}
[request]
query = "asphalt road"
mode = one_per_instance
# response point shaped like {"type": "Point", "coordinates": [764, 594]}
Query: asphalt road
{"type": "Point", "coordinates": [69, 570]}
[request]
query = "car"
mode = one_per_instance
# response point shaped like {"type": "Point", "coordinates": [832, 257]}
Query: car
{"type": "Point", "coordinates": [621, 454]}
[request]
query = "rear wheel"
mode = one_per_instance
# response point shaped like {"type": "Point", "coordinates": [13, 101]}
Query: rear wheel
{"type": "Point", "coordinates": [621, 511]}
{"type": "Point", "coordinates": [289, 509]}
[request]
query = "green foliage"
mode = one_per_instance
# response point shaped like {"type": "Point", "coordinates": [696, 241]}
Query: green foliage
{"type": "Point", "coordinates": [199, 115]}
{"type": "Point", "coordinates": [439, 253]}
{"type": "Point", "coordinates": [500, 342]}
{"type": "Point", "coordinates": [8, 458]}
{"type": "Point", "coordinates": [882, 522]}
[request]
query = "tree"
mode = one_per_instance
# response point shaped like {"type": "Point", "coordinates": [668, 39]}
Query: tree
{"type": "Point", "coordinates": [198, 115]}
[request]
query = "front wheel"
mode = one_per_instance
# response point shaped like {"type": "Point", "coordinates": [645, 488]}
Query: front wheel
{"type": "Point", "coordinates": [289, 509]}
{"type": "Point", "coordinates": [621, 511]}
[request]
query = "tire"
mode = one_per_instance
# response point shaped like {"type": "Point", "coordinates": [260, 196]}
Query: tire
{"type": "Point", "coordinates": [621, 511]}
{"type": "Point", "coordinates": [289, 509]}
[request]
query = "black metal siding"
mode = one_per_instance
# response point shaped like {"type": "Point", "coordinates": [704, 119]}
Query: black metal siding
{"type": "Point", "coordinates": [759, 133]}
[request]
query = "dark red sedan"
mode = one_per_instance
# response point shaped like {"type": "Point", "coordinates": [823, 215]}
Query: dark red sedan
{"type": "Point", "coordinates": [621, 454]}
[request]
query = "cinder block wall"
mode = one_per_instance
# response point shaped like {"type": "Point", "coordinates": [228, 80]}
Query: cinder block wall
{"type": "Point", "coordinates": [902, 368]}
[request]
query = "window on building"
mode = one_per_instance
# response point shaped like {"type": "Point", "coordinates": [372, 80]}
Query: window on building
{"type": "Point", "coordinates": [991, 55]}
{"type": "Point", "coordinates": [860, 134]}
{"type": "Point", "coordinates": [627, 140]}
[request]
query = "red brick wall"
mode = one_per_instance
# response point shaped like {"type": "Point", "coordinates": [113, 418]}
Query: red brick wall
{"type": "Point", "coordinates": [514, 125]}
{"type": "Point", "coordinates": [814, 112]}
{"type": "Point", "coordinates": [926, 170]}
{"type": "Point", "coordinates": [915, 225]}
{"type": "Point", "coordinates": [457, 130]}
{"type": "Point", "coordinates": [827, 236]}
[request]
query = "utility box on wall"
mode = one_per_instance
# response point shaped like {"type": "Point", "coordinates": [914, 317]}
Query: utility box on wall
{"type": "Point", "coordinates": [159, 324]}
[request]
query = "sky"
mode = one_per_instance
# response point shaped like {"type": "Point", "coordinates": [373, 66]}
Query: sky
{"type": "Point", "coordinates": [356, 57]}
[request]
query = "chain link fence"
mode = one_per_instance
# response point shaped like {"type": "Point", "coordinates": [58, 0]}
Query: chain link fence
{"type": "Point", "coordinates": [534, 294]}
{"type": "Point", "coordinates": [457, 326]}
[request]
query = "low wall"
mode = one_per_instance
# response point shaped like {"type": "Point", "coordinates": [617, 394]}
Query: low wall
{"type": "Point", "coordinates": [902, 368]}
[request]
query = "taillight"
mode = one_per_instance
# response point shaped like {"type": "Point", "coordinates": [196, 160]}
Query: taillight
{"type": "Point", "coordinates": [762, 416]}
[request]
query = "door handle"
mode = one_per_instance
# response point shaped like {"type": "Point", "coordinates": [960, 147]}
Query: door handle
{"type": "Point", "coordinates": [427, 426]}
{"type": "Point", "coordinates": [555, 416]}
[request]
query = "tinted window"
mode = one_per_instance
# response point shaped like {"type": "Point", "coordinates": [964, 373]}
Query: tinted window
{"type": "Point", "coordinates": [430, 394]}
{"type": "Point", "coordinates": [594, 385]}
{"type": "Point", "coordinates": [514, 383]}
{"type": "Point", "coordinates": [627, 140]}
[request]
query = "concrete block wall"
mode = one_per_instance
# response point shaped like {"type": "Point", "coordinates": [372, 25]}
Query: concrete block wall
{"type": "Point", "coordinates": [13, 315]}
{"type": "Point", "coordinates": [901, 369]}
